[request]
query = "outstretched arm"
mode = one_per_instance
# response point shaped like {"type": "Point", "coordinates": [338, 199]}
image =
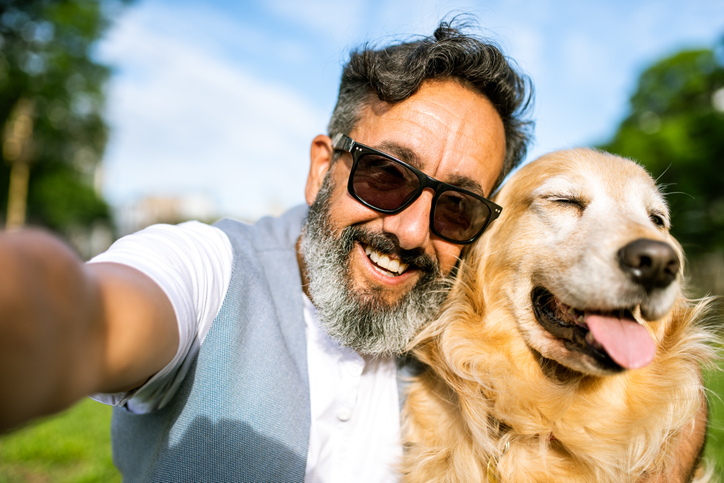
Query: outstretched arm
{"type": "Point", "coordinates": [68, 329]}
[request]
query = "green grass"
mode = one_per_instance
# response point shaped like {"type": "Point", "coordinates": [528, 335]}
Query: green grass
{"type": "Point", "coordinates": [73, 446]}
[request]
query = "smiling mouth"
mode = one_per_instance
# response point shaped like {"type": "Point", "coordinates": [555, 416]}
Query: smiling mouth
{"type": "Point", "coordinates": [613, 339]}
{"type": "Point", "coordinates": [390, 267]}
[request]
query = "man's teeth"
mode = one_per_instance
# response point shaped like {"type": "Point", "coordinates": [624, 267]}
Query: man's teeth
{"type": "Point", "coordinates": [383, 261]}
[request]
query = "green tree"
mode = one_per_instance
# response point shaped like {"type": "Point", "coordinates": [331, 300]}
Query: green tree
{"type": "Point", "coordinates": [676, 129]}
{"type": "Point", "coordinates": [45, 57]}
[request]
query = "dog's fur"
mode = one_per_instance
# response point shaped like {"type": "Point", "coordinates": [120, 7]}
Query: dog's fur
{"type": "Point", "coordinates": [502, 399]}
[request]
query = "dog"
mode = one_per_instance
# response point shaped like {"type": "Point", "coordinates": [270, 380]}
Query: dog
{"type": "Point", "coordinates": [566, 351]}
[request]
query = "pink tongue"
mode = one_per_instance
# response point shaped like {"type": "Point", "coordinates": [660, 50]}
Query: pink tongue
{"type": "Point", "coordinates": [627, 342]}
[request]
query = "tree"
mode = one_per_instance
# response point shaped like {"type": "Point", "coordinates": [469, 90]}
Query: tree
{"type": "Point", "coordinates": [45, 58]}
{"type": "Point", "coordinates": [676, 130]}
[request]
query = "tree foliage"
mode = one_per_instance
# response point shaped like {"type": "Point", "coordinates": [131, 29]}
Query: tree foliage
{"type": "Point", "coordinates": [46, 57]}
{"type": "Point", "coordinates": [676, 129]}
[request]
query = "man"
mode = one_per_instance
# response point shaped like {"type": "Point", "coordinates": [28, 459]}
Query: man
{"type": "Point", "coordinates": [267, 353]}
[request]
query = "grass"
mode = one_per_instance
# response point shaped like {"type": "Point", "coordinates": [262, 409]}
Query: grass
{"type": "Point", "coordinates": [71, 447]}
{"type": "Point", "coordinates": [74, 446]}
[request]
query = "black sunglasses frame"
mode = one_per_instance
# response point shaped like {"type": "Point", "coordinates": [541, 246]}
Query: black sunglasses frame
{"type": "Point", "coordinates": [342, 142]}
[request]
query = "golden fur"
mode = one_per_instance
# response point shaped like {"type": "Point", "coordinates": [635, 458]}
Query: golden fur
{"type": "Point", "coordinates": [503, 399]}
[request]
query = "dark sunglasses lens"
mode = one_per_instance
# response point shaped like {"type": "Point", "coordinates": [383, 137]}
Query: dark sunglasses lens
{"type": "Point", "coordinates": [459, 216]}
{"type": "Point", "coordinates": [383, 183]}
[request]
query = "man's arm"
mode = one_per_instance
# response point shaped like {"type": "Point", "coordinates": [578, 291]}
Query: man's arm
{"type": "Point", "coordinates": [691, 446]}
{"type": "Point", "coordinates": [68, 329]}
{"type": "Point", "coordinates": [688, 452]}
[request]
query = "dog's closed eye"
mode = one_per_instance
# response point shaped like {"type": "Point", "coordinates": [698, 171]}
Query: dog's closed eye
{"type": "Point", "coordinates": [568, 200]}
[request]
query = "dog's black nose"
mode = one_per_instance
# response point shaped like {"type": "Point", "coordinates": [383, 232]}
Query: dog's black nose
{"type": "Point", "coordinates": [651, 263]}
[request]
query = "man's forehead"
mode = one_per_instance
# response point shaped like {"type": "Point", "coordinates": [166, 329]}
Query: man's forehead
{"type": "Point", "coordinates": [446, 129]}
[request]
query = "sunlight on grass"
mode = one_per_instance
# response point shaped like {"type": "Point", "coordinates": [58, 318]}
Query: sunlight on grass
{"type": "Point", "coordinates": [74, 446]}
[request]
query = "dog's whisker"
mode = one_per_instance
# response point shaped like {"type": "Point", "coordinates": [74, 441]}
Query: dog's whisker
{"type": "Point", "coordinates": [662, 173]}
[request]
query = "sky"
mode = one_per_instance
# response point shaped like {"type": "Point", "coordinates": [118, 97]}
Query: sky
{"type": "Point", "coordinates": [220, 99]}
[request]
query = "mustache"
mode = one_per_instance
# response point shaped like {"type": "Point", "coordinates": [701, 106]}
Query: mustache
{"type": "Point", "coordinates": [387, 244]}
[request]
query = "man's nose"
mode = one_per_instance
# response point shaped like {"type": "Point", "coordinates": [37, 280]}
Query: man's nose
{"type": "Point", "coordinates": [411, 226]}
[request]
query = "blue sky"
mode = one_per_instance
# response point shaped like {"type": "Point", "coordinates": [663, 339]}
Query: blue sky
{"type": "Point", "coordinates": [221, 99]}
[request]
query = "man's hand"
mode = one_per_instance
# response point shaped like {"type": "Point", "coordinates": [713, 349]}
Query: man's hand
{"type": "Point", "coordinates": [689, 451]}
{"type": "Point", "coordinates": [68, 329]}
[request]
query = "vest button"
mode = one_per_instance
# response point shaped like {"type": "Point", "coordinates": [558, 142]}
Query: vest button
{"type": "Point", "coordinates": [344, 414]}
{"type": "Point", "coordinates": [356, 369]}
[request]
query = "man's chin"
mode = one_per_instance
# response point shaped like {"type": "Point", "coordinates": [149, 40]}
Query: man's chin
{"type": "Point", "coordinates": [385, 298]}
{"type": "Point", "coordinates": [379, 321]}
{"type": "Point", "coordinates": [359, 311]}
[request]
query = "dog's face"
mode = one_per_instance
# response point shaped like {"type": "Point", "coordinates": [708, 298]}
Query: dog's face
{"type": "Point", "coordinates": [583, 257]}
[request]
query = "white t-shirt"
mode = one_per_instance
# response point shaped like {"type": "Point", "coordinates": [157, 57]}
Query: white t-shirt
{"type": "Point", "coordinates": [354, 434]}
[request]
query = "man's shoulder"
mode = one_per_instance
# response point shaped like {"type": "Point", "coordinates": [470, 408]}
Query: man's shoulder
{"type": "Point", "coordinates": [269, 233]}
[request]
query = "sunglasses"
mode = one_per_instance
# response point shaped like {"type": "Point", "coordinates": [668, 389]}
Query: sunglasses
{"type": "Point", "coordinates": [388, 185]}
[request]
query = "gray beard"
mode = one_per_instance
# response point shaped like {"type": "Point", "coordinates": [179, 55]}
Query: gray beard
{"type": "Point", "coordinates": [362, 319]}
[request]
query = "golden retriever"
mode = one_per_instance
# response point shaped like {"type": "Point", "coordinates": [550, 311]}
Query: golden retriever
{"type": "Point", "coordinates": [566, 351]}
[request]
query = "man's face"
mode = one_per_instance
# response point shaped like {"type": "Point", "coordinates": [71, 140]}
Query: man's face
{"type": "Point", "coordinates": [446, 130]}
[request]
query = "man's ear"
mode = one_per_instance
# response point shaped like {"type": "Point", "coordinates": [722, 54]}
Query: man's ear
{"type": "Point", "coordinates": [320, 161]}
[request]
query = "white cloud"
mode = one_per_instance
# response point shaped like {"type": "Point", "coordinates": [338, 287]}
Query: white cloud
{"type": "Point", "coordinates": [211, 95]}
{"type": "Point", "coordinates": [186, 120]}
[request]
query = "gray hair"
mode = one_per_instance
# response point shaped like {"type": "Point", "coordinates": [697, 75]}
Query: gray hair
{"type": "Point", "coordinates": [396, 72]}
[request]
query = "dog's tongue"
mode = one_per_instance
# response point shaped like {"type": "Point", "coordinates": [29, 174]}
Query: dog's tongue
{"type": "Point", "coordinates": [626, 342]}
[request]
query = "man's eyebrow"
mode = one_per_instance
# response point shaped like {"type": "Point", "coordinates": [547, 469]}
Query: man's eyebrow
{"type": "Point", "coordinates": [466, 184]}
{"type": "Point", "coordinates": [400, 152]}
{"type": "Point", "coordinates": [404, 154]}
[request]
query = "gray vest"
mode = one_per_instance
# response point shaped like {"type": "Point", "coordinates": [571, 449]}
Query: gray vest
{"type": "Point", "coordinates": [242, 412]}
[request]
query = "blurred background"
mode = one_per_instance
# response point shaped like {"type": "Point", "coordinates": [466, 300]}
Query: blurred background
{"type": "Point", "coordinates": [118, 114]}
